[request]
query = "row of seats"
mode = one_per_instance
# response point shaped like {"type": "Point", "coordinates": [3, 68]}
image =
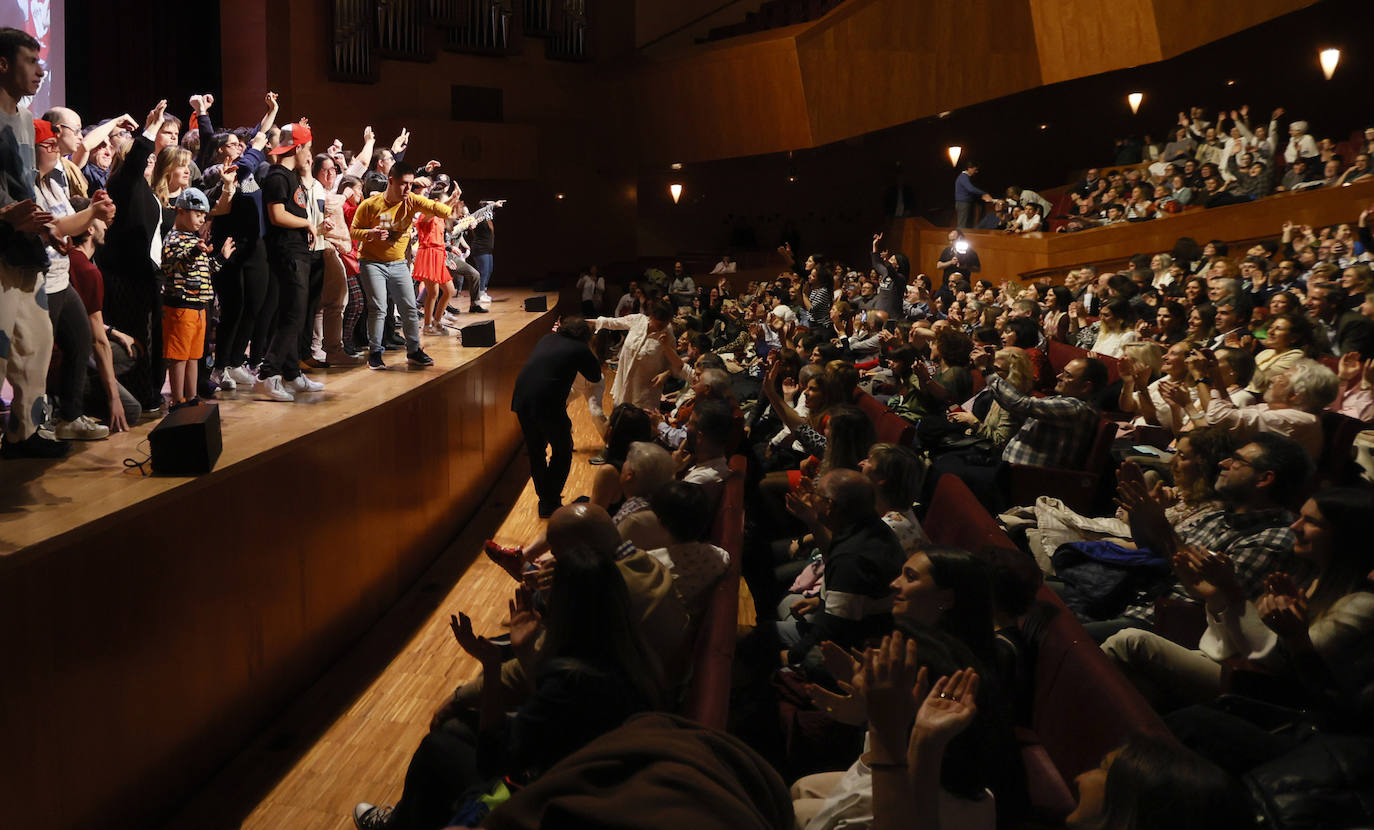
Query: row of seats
{"type": "Point", "coordinates": [708, 692]}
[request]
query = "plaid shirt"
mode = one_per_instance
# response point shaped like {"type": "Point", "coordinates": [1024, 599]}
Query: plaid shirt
{"type": "Point", "coordinates": [1260, 543]}
{"type": "Point", "coordinates": [1057, 431]}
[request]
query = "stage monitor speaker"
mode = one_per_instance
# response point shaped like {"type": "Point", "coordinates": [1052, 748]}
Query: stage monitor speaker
{"type": "Point", "coordinates": [186, 442]}
{"type": "Point", "coordinates": [540, 303]}
{"type": "Point", "coordinates": [479, 334]}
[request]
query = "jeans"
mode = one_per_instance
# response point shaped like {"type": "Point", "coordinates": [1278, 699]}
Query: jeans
{"type": "Point", "coordinates": [25, 348]}
{"type": "Point", "coordinates": [484, 264]}
{"type": "Point", "coordinates": [465, 275]}
{"type": "Point", "coordinates": [389, 279]}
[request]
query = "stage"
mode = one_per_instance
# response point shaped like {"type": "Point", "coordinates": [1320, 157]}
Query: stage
{"type": "Point", "coordinates": [152, 624]}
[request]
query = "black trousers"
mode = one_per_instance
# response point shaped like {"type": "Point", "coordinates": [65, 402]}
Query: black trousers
{"type": "Point", "coordinates": [133, 304]}
{"type": "Point", "coordinates": [313, 291]}
{"type": "Point", "coordinates": [241, 287]}
{"type": "Point", "coordinates": [71, 330]}
{"type": "Point", "coordinates": [544, 428]}
{"type": "Point", "coordinates": [443, 768]}
{"type": "Point", "coordinates": [291, 275]}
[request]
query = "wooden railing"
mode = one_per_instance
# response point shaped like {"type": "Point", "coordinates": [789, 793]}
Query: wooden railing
{"type": "Point", "coordinates": [1006, 256]}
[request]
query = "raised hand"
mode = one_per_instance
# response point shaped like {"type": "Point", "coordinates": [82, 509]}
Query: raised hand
{"type": "Point", "coordinates": [102, 206]}
{"type": "Point", "coordinates": [846, 707]}
{"type": "Point", "coordinates": [525, 622]}
{"type": "Point", "coordinates": [155, 115]}
{"type": "Point", "coordinates": [889, 675]}
{"type": "Point", "coordinates": [368, 135]}
{"type": "Point", "coordinates": [949, 707]}
{"type": "Point", "coordinates": [1285, 616]}
{"type": "Point", "coordinates": [486, 652]}
{"type": "Point", "coordinates": [271, 100]}
{"type": "Point", "coordinates": [25, 216]}
{"type": "Point", "coordinates": [227, 249]}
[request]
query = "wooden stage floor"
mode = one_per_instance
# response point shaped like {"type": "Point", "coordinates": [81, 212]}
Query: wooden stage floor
{"type": "Point", "coordinates": [41, 500]}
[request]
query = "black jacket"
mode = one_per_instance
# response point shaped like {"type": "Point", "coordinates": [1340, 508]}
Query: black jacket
{"type": "Point", "coordinates": [549, 372]}
{"type": "Point", "coordinates": [126, 253]}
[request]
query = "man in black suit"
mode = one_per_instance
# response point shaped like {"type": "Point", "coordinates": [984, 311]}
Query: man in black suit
{"type": "Point", "coordinates": [541, 403]}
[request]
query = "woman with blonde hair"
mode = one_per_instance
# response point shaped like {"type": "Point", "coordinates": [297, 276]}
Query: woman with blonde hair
{"type": "Point", "coordinates": [999, 425]}
{"type": "Point", "coordinates": [171, 175]}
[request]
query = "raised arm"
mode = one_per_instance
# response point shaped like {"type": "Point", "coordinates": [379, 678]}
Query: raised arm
{"type": "Point", "coordinates": [99, 135]}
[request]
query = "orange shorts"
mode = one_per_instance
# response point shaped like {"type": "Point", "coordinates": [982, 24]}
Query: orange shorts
{"type": "Point", "coordinates": [183, 333]}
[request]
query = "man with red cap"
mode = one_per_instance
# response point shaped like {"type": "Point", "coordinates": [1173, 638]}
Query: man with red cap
{"type": "Point", "coordinates": [289, 236]}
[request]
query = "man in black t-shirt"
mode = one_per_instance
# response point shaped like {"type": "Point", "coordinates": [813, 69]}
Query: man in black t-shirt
{"type": "Point", "coordinates": [288, 241]}
{"type": "Point", "coordinates": [959, 257]}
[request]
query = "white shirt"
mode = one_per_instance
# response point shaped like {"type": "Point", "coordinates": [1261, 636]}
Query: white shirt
{"type": "Point", "coordinates": [591, 287]}
{"type": "Point", "coordinates": [724, 267]}
{"type": "Point", "coordinates": [51, 195]}
{"type": "Point", "coordinates": [641, 359]}
{"type": "Point", "coordinates": [1110, 343]}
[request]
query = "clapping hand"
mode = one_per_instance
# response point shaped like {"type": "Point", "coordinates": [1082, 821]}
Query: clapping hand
{"type": "Point", "coordinates": [227, 249]}
{"type": "Point", "coordinates": [486, 652]}
{"type": "Point", "coordinates": [1286, 616]}
{"type": "Point", "coordinates": [949, 707]}
{"type": "Point", "coordinates": [155, 115]}
{"type": "Point", "coordinates": [525, 622]}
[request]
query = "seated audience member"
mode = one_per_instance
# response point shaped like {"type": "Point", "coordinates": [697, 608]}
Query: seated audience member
{"type": "Point", "coordinates": [1256, 485]}
{"type": "Point", "coordinates": [862, 556]}
{"type": "Point", "coordinates": [1112, 330]}
{"type": "Point", "coordinates": [683, 512]}
{"type": "Point", "coordinates": [1022, 333]}
{"type": "Point", "coordinates": [898, 474]}
{"type": "Point", "coordinates": [1028, 220]}
{"type": "Point", "coordinates": [1292, 405]}
{"type": "Point", "coordinates": [964, 769]}
{"type": "Point", "coordinates": [693, 777]}
{"type": "Point", "coordinates": [1356, 396]}
{"type": "Point", "coordinates": [999, 218]}
{"type": "Point", "coordinates": [1289, 340]}
{"type": "Point", "coordinates": [589, 669]}
{"type": "Point", "coordinates": [997, 425]}
{"type": "Point", "coordinates": [1357, 172]}
{"type": "Point", "coordinates": [1309, 638]}
{"type": "Point", "coordinates": [702, 455]}
{"type": "Point", "coordinates": [647, 469]}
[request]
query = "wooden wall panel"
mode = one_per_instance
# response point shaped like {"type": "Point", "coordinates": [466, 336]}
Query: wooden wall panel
{"type": "Point", "coordinates": [741, 97]}
{"type": "Point", "coordinates": [145, 648]}
{"type": "Point", "coordinates": [870, 65]}
{"type": "Point", "coordinates": [1005, 257]}
{"type": "Point", "coordinates": [1075, 38]}
{"type": "Point", "coordinates": [1184, 24]}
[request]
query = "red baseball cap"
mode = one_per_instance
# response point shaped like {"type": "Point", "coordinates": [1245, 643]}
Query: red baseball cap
{"type": "Point", "coordinates": [43, 131]}
{"type": "Point", "coordinates": [300, 134]}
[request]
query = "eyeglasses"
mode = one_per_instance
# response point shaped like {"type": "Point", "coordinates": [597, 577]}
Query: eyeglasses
{"type": "Point", "coordinates": [67, 127]}
{"type": "Point", "coordinates": [1240, 460]}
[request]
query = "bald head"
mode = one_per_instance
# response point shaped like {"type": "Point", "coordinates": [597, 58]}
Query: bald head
{"type": "Point", "coordinates": [851, 497]}
{"type": "Point", "coordinates": [68, 128]}
{"type": "Point", "coordinates": [876, 320]}
{"type": "Point", "coordinates": [582, 524]}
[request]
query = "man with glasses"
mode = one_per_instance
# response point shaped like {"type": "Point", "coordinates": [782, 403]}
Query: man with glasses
{"type": "Point", "coordinates": [1256, 485]}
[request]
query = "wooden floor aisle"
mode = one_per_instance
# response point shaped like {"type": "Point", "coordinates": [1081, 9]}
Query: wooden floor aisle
{"type": "Point", "coordinates": [350, 737]}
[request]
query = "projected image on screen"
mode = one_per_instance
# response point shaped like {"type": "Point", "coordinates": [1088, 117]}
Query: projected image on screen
{"type": "Point", "coordinates": [43, 20]}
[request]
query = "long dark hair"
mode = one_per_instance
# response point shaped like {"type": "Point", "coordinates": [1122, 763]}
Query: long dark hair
{"type": "Point", "coordinates": [851, 436]}
{"type": "Point", "coordinates": [627, 424]}
{"type": "Point", "coordinates": [589, 619]}
{"type": "Point", "coordinates": [1346, 511]}
{"type": "Point", "coordinates": [965, 575]}
{"type": "Point", "coordinates": [1155, 784]}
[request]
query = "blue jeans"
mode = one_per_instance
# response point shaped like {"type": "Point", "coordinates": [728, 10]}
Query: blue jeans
{"type": "Point", "coordinates": [383, 279]}
{"type": "Point", "coordinates": [483, 263]}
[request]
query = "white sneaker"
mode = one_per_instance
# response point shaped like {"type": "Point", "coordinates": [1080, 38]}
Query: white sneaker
{"type": "Point", "coordinates": [305, 384]}
{"type": "Point", "coordinates": [451, 320]}
{"type": "Point", "coordinates": [223, 380]}
{"type": "Point", "coordinates": [241, 376]}
{"type": "Point", "coordinates": [81, 429]}
{"type": "Point", "coordinates": [272, 389]}
{"type": "Point", "coordinates": [484, 298]}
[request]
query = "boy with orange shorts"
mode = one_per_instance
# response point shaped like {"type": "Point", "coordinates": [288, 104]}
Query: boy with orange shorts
{"type": "Point", "coordinates": [188, 265]}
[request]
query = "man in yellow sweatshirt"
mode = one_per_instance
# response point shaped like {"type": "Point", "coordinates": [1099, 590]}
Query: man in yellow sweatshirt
{"type": "Point", "coordinates": [382, 224]}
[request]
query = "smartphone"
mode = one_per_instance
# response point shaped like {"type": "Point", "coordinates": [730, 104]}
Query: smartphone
{"type": "Point", "coordinates": [890, 325]}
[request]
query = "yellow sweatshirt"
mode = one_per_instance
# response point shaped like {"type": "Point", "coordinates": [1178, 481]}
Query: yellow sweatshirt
{"type": "Point", "coordinates": [374, 212]}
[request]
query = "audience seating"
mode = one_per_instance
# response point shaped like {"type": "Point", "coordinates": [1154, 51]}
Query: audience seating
{"type": "Point", "coordinates": [1060, 354]}
{"type": "Point", "coordinates": [1083, 489]}
{"type": "Point", "coordinates": [708, 691]}
{"type": "Point", "coordinates": [1083, 706]}
{"type": "Point", "coordinates": [890, 427]}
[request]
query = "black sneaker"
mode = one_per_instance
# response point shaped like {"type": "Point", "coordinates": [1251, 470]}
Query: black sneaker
{"type": "Point", "coordinates": [374, 361]}
{"type": "Point", "coordinates": [477, 309]}
{"type": "Point", "coordinates": [598, 459]}
{"type": "Point", "coordinates": [392, 343]}
{"type": "Point", "coordinates": [419, 358]}
{"type": "Point", "coordinates": [35, 446]}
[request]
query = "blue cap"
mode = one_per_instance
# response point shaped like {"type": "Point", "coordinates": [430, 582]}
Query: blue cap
{"type": "Point", "coordinates": [193, 199]}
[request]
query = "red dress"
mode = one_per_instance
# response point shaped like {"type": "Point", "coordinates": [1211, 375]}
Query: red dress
{"type": "Point", "coordinates": [429, 253]}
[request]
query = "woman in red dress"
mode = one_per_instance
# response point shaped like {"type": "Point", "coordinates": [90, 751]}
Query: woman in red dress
{"type": "Point", "coordinates": [436, 284]}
